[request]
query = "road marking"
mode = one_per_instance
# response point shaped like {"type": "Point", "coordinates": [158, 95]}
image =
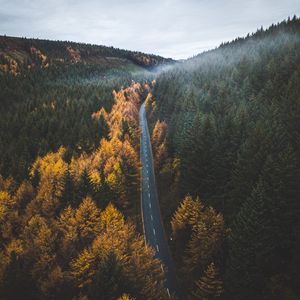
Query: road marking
{"type": "Point", "coordinates": [161, 266]}
{"type": "Point", "coordinates": [150, 204]}
{"type": "Point", "coordinates": [154, 231]}
{"type": "Point", "coordinates": [151, 217]}
{"type": "Point", "coordinates": [148, 186]}
{"type": "Point", "coordinates": [149, 194]}
{"type": "Point", "coordinates": [157, 248]}
{"type": "Point", "coordinates": [168, 293]}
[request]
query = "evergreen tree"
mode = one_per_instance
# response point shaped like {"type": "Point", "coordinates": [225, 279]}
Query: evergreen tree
{"type": "Point", "coordinates": [84, 188]}
{"type": "Point", "coordinates": [209, 286]}
{"type": "Point", "coordinates": [68, 196]}
{"type": "Point", "coordinates": [108, 280]}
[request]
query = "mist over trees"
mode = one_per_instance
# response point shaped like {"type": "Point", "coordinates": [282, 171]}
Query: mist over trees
{"type": "Point", "coordinates": [232, 117]}
{"type": "Point", "coordinates": [225, 139]}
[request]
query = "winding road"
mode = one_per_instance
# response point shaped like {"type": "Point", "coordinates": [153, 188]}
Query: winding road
{"type": "Point", "coordinates": [153, 228]}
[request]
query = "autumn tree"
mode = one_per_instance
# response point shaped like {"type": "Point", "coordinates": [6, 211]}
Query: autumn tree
{"type": "Point", "coordinates": [158, 142]}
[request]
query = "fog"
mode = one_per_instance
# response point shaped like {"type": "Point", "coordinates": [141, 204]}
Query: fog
{"type": "Point", "coordinates": [171, 28]}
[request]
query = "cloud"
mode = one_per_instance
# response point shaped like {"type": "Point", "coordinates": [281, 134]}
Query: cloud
{"type": "Point", "coordinates": [172, 28]}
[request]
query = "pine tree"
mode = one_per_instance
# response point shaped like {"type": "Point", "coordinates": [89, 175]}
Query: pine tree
{"type": "Point", "coordinates": [245, 245]}
{"type": "Point", "coordinates": [68, 196]}
{"type": "Point", "coordinates": [107, 282]}
{"type": "Point", "coordinates": [84, 188]}
{"type": "Point", "coordinates": [264, 236]}
{"type": "Point", "coordinates": [209, 286]}
{"type": "Point", "coordinates": [87, 218]}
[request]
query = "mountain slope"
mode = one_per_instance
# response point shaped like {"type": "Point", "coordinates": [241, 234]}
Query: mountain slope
{"type": "Point", "coordinates": [233, 140]}
{"type": "Point", "coordinates": [22, 53]}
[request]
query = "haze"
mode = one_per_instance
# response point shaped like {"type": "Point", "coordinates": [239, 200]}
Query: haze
{"type": "Point", "coordinates": [171, 28]}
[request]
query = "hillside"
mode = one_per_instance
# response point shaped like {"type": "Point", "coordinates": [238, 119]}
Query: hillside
{"type": "Point", "coordinates": [44, 84]}
{"type": "Point", "coordinates": [226, 131]}
{"type": "Point", "coordinates": [17, 54]}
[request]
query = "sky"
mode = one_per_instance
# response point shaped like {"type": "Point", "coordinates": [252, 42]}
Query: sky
{"type": "Point", "coordinates": [170, 28]}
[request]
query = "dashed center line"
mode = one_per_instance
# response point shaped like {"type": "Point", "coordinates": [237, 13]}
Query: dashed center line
{"type": "Point", "coordinates": [151, 217]}
{"type": "Point", "coordinates": [154, 232]}
{"type": "Point", "coordinates": [168, 293]}
{"type": "Point", "coordinates": [157, 248]}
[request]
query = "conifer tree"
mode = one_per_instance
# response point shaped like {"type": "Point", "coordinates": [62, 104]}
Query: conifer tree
{"type": "Point", "coordinates": [209, 286]}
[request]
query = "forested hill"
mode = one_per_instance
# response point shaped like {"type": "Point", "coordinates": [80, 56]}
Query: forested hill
{"type": "Point", "coordinates": [49, 90]}
{"type": "Point", "coordinates": [22, 53]}
{"type": "Point", "coordinates": [70, 219]}
{"type": "Point", "coordinates": [232, 122]}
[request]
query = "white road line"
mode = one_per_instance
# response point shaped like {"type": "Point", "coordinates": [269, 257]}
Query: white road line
{"type": "Point", "coordinates": [148, 186]}
{"type": "Point", "coordinates": [150, 204]}
{"type": "Point", "coordinates": [151, 217]}
{"type": "Point", "coordinates": [157, 248]}
{"type": "Point", "coordinates": [161, 266]}
{"type": "Point", "coordinates": [149, 194]}
{"type": "Point", "coordinates": [154, 232]}
{"type": "Point", "coordinates": [168, 293]}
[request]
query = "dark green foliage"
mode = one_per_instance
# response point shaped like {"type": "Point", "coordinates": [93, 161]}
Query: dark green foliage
{"type": "Point", "coordinates": [84, 187]}
{"type": "Point", "coordinates": [233, 122]}
{"type": "Point", "coordinates": [58, 53]}
{"type": "Point", "coordinates": [108, 281]}
{"type": "Point", "coordinates": [40, 113]}
{"type": "Point", "coordinates": [16, 284]}
{"type": "Point", "coordinates": [264, 243]}
{"type": "Point", "coordinates": [209, 286]}
{"type": "Point", "coordinates": [45, 107]}
{"type": "Point", "coordinates": [68, 195]}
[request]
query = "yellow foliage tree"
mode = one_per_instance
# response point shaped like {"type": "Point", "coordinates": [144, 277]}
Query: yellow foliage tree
{"type": "Point", "coordinates": [87, 219]}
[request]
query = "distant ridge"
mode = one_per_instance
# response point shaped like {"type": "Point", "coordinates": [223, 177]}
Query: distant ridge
{"type": "Point", "coordinates": [23, 53]}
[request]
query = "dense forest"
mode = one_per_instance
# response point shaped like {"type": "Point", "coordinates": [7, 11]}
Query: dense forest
{"type": "Point", "coordinates": [71, 230]}
{"type": "Point", "coordinates": [47, 97]}
{"type": "Point", "coordinates": [69, 186]}
{"type": "Point", "coordinates": [226, 140]}
{"type": "Point", "coordinates": [19, 54]}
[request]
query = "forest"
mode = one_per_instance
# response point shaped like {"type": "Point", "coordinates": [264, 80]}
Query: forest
{"type": "Point", "coordinates": [70, 225]}
{"type": "Point", "coordinates": [226, 141]}
{"type": "Point", "coordinates": [225, 135]}
{"type": "Point", "coordinates": [70, 231]}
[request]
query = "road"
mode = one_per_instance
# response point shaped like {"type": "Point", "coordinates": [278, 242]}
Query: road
{"type": "Point", "coordinates": [153, 228]}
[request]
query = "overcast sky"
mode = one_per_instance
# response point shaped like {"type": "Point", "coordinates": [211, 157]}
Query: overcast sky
{"type": "Point", "coordinates": [171, 28]}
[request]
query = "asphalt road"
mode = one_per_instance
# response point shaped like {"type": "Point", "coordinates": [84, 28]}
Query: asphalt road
{"type": "Point", "coordinates": [153, 227]}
